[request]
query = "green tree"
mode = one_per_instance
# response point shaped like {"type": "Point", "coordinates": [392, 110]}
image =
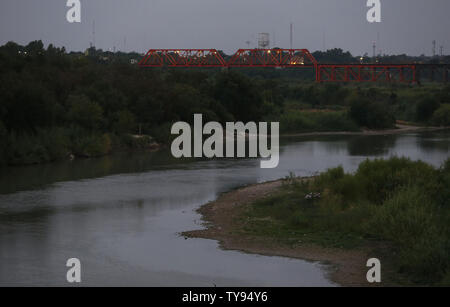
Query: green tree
{"type": "Point", "coordinates": [84, 112]}
{"type": "Point", "coordinates": [125, 122]}
{"type": "Point", "coordinates": [149, 110]}
{"type": "Point", "coordinates": [35, 48]}
{"type": "Point", "coordinates": [239, 96]}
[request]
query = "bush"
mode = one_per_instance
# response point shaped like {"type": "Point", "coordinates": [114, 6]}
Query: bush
{"type": "Point", "coordinates": [379, 178]}
{"type": "Point", "coordinates": [442, 193]}
{"type": "Point", "coordinates": [26, 149]}
{"type": "Point", "coordinates": [55, 141]}
{"type": "Point", "coordinates": [425, 109]}
{"type": "Point", "coordinates": [136, 142]}
{"type": "Point", "coordinates": [408, 206]}
{"type": "Point", "coordinates": [45, 145]}
{"type": "Point", "coordinates": [400, 202]}
{"type": "Point", "coordinates": [408, 219]}
{"type": "Point", "coordinates": [373, 115]}
{"type": "Point", "coordinates": [441, 117]}
{"type": "Point", "coordinates": [404, 217]}
{"type": "Point", "coordinates": [92, 145]}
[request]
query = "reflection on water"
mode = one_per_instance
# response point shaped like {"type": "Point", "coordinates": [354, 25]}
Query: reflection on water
{"type": "Point", "coordinates": [121, 215]}
{"type": "Point", "coordinates": [376, 145]}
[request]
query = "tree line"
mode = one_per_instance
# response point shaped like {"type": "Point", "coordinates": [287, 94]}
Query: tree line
{"type": "Point", "coordinates": [55, 104]}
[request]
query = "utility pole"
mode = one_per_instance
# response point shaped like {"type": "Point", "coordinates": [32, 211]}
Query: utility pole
{"type": "Point", "coordinates": [379, 44]}
{"type": "Point", "coordinates": [434, 48]}
{"type": "Point", "coordinates": [93, 33]}
{"type": "Point", "coordinates": [292, 36]}
{"type": "Point", "coordinates": [374, 46]}
{"type": "Point", "coordinates": [324, 42]}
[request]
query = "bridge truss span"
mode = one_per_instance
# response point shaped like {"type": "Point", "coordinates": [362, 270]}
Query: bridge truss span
{"type": "Point", "coordinates": [214, 58]}
{"type": "Point", "coordinates": [272, 58]}
{"type": "Point", "coordinates": [296, 58]}
{"type": "Point", "coordinates": [405, 73]}
{"type": "Point", "coordinates": [182, 58]}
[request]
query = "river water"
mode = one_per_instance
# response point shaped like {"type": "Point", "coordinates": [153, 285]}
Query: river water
{"type": "Point", "coordinates": [121, 215]}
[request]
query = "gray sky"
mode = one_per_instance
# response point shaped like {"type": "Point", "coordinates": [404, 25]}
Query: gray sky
{"type": "Point", "coordinates": [408, 26]}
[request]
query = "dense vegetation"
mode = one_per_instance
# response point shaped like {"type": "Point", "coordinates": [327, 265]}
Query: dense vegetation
{"type": "Point", "coordinates": [402, 203]}
{"type": "Point", "coordinates": [55, 104]}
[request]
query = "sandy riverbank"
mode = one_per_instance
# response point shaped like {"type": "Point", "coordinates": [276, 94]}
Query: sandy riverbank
{"type": "Point", "coordinates": [399, 129]}
{"type": "Point", "coordinates": [223, 221]}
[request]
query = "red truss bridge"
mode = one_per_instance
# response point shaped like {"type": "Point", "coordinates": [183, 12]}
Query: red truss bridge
{"type": "Point", "coordinates": [295, 58]}
{"type": "Point", "coordinates": [366, 72]}
{"type": "Point", "coordinates": [242, 58]}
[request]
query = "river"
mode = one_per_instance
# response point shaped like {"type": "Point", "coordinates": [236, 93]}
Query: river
{"type": "Point", "coordinates": [121, 215]}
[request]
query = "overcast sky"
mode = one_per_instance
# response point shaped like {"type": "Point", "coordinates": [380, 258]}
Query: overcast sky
{"type": "Point", "coordinates": [408, 26]}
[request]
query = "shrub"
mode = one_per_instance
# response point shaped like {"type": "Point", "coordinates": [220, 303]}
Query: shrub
{"type": "Point", "coordinates": [43, 146]}
{"type": "Point", "coordinates": [379, 178]}
{"type": "Point", "coordinates": [373, 115]}
{"type": "Point", "coordinates": [26, 149]}
{"type": "Point", "coordinates": [441, 117]}
{"type": "Point", "coordinates": [92, 145]}
{"type": "Point", "coordinates": [442, 193]}
{"type": "Point", "coordinates": [425, 109]}
{"type": "Point", "coordinates": [409, 219]}
{"type": "Point", "coordinates": [133, 142]}
{"type": "Point", "coordinates": [55, 141]}
{"type": "Point", "coordinates": [400, 202]}
{"type": "Point", "coordinates": [295, 122]}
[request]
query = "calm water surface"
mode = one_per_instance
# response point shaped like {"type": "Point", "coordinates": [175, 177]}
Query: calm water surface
{"type": "Point", "coordinates": [122, 215]}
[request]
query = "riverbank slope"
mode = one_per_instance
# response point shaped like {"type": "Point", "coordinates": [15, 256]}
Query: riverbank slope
{"type": "Point", "coordinates": [225, 221]}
